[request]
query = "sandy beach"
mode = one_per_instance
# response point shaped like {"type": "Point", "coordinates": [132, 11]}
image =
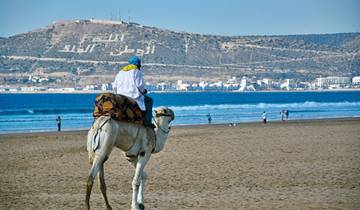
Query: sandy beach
{"type": "Point", "coordinates": [281, 165]}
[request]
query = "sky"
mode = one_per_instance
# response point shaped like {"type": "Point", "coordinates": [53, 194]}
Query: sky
{"type": "Point", "coordinates": [217, 17]}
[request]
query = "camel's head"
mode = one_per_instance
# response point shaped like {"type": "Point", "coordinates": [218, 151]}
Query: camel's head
{"type": "Point", "coordinates": [165, 112]}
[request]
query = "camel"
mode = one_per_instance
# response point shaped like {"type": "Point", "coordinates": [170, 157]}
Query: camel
{"type": "Point", "coordinates": [133, 139]}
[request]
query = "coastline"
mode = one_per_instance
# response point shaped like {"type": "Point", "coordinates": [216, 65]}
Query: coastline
{"type": "Point", "coordinates": [239, 124]}
{"type": "Point", "coordinates": [212, 91]}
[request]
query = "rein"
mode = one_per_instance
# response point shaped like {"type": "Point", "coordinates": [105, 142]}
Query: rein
{"type": "Point", "coordinates": [158, 126]}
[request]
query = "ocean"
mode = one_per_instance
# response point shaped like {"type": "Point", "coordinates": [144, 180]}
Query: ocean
{"type": "Point", "coordinates": [38, 112]}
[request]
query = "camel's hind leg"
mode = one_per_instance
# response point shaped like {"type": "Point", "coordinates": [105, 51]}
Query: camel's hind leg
{"type": "Point", "coordinates": [96, 166]}
{"type": "Point", "coordinates": [106, 137]}
{"type": "Point", "coordinates": [103, 187]}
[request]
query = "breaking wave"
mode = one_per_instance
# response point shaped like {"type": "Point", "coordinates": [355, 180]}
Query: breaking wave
{"type": "Point", "coordinates": [304, 105]}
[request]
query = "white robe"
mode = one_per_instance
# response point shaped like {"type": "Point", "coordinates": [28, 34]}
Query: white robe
{"type": "Point", "coordinates": [131, 83]}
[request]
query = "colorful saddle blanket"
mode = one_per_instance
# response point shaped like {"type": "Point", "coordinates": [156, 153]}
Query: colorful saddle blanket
{"type": "Point", "coordinates": [119, 107]}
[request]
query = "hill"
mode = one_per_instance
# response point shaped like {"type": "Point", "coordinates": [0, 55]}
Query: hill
{"type": "Point", "coordinates": [88, 51]}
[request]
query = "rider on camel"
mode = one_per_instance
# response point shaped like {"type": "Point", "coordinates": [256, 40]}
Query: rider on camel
{"type": "Point", "coordinates": [130, 82]}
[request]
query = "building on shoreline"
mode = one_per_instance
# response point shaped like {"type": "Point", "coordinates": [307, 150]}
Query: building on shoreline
{"type": "Point", "coordinates": [244, 84]}
{"type": "Point", "coordinates": [333, 82]}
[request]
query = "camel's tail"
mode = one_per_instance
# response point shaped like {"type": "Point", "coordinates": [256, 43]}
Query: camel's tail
{"type": "Point", "coordinates": [93, 140]}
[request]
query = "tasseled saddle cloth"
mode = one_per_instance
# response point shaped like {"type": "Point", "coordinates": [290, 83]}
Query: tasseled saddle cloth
{"type": "Point", "coordinates": [119, 107]}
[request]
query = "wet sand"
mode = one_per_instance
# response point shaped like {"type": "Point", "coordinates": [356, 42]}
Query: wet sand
{"type": "Point", "coordinates": [290, 165]}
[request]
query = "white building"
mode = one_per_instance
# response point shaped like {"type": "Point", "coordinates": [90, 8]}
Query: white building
{"type": "Point", "coordinates": [232, 80]}
{"type": "Point", "coordinates": [333, 82]}
{"type": "Point", "coordinates": [264, 83]}
{"type": "Point", "coordinates": [162, 86]}
{"type": "Point", "coordinates": [203, 85]}
{"type": "Point", "coordinates": [219, 84]}
{"type": "Point", "coordinates": [288, 84]}
{"type": "Point", "coordinates": [182, 86]}
{"type": "Point", "coordinates": [106, 86]}
{"type": "Point", "coordinates": [267, 81]}
{"type": "Point", "coordinates": [91, 87]}
{"type": "Point", "coordinates": [356, 80]}
{"type": "Point", "coordinates": [243, 84]}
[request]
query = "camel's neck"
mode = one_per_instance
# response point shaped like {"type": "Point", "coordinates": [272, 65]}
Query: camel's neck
{"type": "Point", "coordinates": [161, 136]}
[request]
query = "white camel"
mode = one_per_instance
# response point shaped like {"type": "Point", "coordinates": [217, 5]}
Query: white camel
{"type": "Point", "coordinates": [133, 140]}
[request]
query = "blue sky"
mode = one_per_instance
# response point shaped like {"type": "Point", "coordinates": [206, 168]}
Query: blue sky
{"type": "Point", "coordinates": [222, 17]}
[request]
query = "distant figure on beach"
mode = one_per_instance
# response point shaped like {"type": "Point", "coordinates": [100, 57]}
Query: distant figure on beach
{"type": "Point", "coordinates": [58, 120]}
{"type": "Point", "coordinates": [209, 118]}
{"type": "Point", "coordinates": [286, 112]}
{"type": "Point", "coordinates": [130, 82]}
{"type": "Point", "coordinates": [264, 117]}
{"type": "Point", "coordinates": [282, 113]}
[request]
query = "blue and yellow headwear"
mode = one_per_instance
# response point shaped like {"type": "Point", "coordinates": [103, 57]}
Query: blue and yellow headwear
{"type": "Point", "coordinates": [134, 63]}
{"type": "Point", "coordinates": [135, 60]}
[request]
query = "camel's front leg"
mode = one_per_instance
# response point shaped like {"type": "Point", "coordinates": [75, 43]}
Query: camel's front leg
{"type": "Point", "coordinates": [139, 169]}
{"type": "Point", "coordinates": [140, 197]}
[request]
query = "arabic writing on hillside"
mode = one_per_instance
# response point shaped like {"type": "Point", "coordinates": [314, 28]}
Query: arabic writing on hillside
{"type": "Point", "coordinates": [90, 41]}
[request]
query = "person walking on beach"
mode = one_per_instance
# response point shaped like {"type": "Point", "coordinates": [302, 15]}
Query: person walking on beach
{"type": "Point", "coordinates": [130, 82]}
{"type": "Point", "coordinates": [264, 117]}
{"type": "Point", "coordinates": [282, 113]}
{"type": "Point", "coordinates": [58, 120]}
{"type": "Point", "coordinates": [209, 118]}
{"type": "Point", "coordinates": [286, 114]}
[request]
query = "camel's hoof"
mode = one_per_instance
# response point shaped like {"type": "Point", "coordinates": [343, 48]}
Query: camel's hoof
{"type": "Point", "coordinates": [108, 208]}
{"type": "Point", "coordinates": [141, 206]}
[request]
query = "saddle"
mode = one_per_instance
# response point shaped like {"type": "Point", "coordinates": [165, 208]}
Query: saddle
{"type": "Point", "coordinates": [118, 107]}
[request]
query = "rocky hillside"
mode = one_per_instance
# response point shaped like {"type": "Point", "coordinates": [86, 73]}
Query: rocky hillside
{"type": "Point", "coordinates": [88, 51]}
